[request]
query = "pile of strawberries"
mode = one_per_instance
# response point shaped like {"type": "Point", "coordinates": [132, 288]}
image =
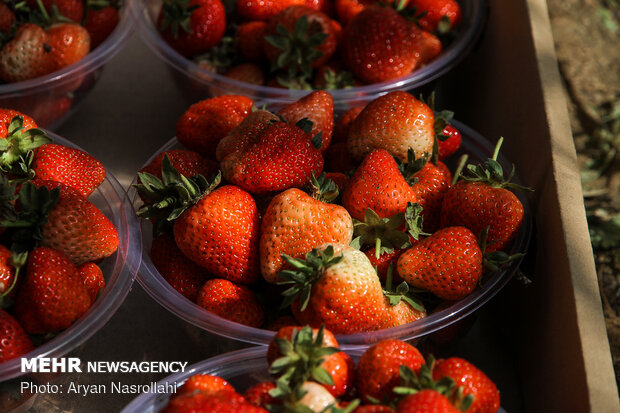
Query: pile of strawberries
{"type": "Point", "coordinates": [38, 37]}
{"type": "Point", "coordinates": [310, 374]}
{"type": "Point", "coordinates": [309, 44]}
{"type": "Point", "coordinates": [274, 219]}
{"type": "Point", "coordinates": [51, 235]}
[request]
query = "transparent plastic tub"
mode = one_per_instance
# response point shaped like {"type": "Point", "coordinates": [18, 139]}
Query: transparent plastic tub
{"type": "Point", "coordinates": [198, 83]}
{"type": "Point", "coordinates": [119, 271]}
{"type": "Point", "coordinates": [478, 149]}
{"type": "Point", "coordinates": [51, 99]}
{"type": "Point", "coordinates": [241, 368]}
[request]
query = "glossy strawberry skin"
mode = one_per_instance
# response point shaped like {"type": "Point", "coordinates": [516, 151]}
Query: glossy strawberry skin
{"type": "Point", "coordinates": [448, 263]}
{"type": "Point", "coordinates": [450, 145]}
{"type": "Point", "coordinates": [430, 186]}
{"type": "Point", "coordinates": [93, 279]}
{"type": "Point", "coordinates": [52, 295]}
{"type": "Point", "coordinates": [7, 115]}
{"type": "Point", "coordinates": [188, 163]}
{"type": "Point", "coordinates": [258, 394]}
{"type": "Point", "coordinates": [69, 43]}
{"type": "Point", "coordinates": [426, 401]}
{"type": "Point", "coordinates": [233, 302]}
{"type": "Point", "coordinates": [220, 233]}
{"type": "Point", "coordinates": [7, 271]}
{"type": "Point", "coordinates": [251, 10]}
{"type": "Point", "coordinates": [26, 56]}
{"type": "Point", "coordinates": [100, 24]}
{"type": "Point", "coordinates": [70, 166]}
{"type": "Point", "coordinates": [477, 205]}
{"type": "Point", "coordinates": [434, 10]}
{"type": "Point", "coordinates": [14, 342]}
{"type": "Point", "coordinates": [205, 383]}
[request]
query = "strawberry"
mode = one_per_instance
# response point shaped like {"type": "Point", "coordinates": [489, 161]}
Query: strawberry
{"type": "Point", "coordinates": [264, 9]}
{"type": "Point", "coordinates": [183, 275]}
{"type": "Point", "coordinates": [395, 122]}
{"type": "Point", "coordinates": [450, 143]}
{"type": "Point", "coordinates": [7, 271]}
{"type": "Point", "coordinates": [250, 37]}
{"type": "Point", "coordinates": [441, 15]}
{"type": "Point", "coordinates": [245, 133]}
{"type": "Point", "coordinates": [343, 124]}
{"type": "Point", "coordinates": [426, 401]}
{"type": "Point", "coordinates": [246, 72]}
{"type": "Point", "coordinates": [92, 277]}
{"type": "Point", "coordinates": [294, 224]}
{"type": "Point", "coordinates": [448, 263]}
{"type": "Point", "coordinates": [472, 380]}
{"type": "Point", "coordinates": [380, 45]}
{"type": "Point", "coordinates": [188, 163]}
{"type": "Point", "coordinates": [205, 383]}
{"type": "Point", "coordinates": [378, 184]}
{"type": "Point", "coordinates": [258, 394]}
{"type": "Point", "coordinates": [481, 200]}
{"type": "Point", "coordinates": [70, 166]}
{"type": "Point", "coordinates": [316, 398]}
{"type": "Point", "coordinates": [317, 107]}
{"type": "Point", "coordinates": [100, 23]}
{"type": "Point", "coordinates": [374, 408]}
{"type": "Point", "coordinates": [430, 47]}
{"type": "Point", "coordinates": [340, 180]}
{"type": "Point", "coordinates": [52, 294]}
{"type": "Point", "coordinates": [69, 9]}
{"type": "Point", "coordinates": [298, 39]}
{"type": "Point", "coordinates": [26, 56]}
{"type": "Point", "coordinates": [14, 342]}
{"type": "Point", "coordinates": [50, 112]}
{"type": "Point", "coordinates": [378, 370]}
{"type": "Point", "coordinates": [339, 286]}
{"type": "Point", "coordinates": [192, 27]}
{"type": "Point", "coordinates": [19, 136]}
{"type": "Point", "coordinates": [221, 402]}
{"type": "Point", "coordinates": [279, 157]}
{"type": "Point", "coordinates": [205, 123]}
{"type": "Point", "coordinates": [233, 302]}
{"type": "Point", "coordinates": [346, 10]}
{"type": "Point", "coordinates": [68, 43]}
{"type": "Point", "coordinates": [7, 116]}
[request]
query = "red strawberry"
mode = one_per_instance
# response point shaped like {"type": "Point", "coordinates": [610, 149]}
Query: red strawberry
{"type": "Point", "coordinates": [263, 9]}
{"type": "Point", "coordinates": [473, 381]}
{"type": "Point", "coordinates": [100, 23]}
{"type": "Point", "coordinates": [70, 166]}
{"type": "Point", "coordinates": [378, 184]}
{"type": "Point", "coordinates": [448, 263]}
{"type": "Point", "coordinates": [451, 144]}
{"type": "Point", "coordinates": [192, 27]}
{"type": "Point", "coordinates": [426, 401]}
{"type": "Point", "coordinates": [247, 72]}
{"type": "Point", "coordinates": [220, 401]}
{"type": "Point", "coordinates": [68, 43]}
{"type": "Point", "coordinates": [7, 116]}
{"type": "Point", "coordinates": [395, 122]}
{"type": "Point", "coordinates": [280, 157]}
{"type": "Point", "coordinates": [384, 261]}
{"type": "Point", "coordinates": [380, 45]}
{"type": "Point", "coordinates": [430, 47]}
{"type": "Point", "coordinates": [437, 13]}
{"type": "Point", "coordinates": [26, 56]}
{"type": "Point", "coordinates": [481, 200]}
{"type": "Point", "coordinates": [183, 275]}
{"type": "Point", "coordinates": [71, 9]}
{"type": "Point", "coordinates": [14, 342]}
{"type": "Point", "coordinates": [205, 383]}
{"type": "Point", "coordinates": [317, 107]}
{"type": "Point", "coordinates": [343, 124]}
{"type": "Point", "coordinates": [258, 394]}
{"type": "Point", "coordinates": [91, 275]}
{"type": "Point", "coordinates": [294, 224]}
{"type": "Point", "coordinates": [52, 295]}
{"type": "Point", "coordinates": [50, 112]}
{"type": "Point", "coordinates": [205, 123]}
{"type": "Point", "coordinates": [340, 180]}
{"type": "Point", "coordinates": [245, 133]}
{"type": "Point", "coordinates": [7, 271]}
{"type": "Point", "coordinates": [373, 408]}
{"type": "Point", "coordinates": [230, 301]}
{"type": "Point", "coordinates": [188, 163]}
{"type": "Point", "coordinates": [346, 10]}
{"type": "Point", "coordinates": [378, 370]}
{"type": "Point", "coordinates": [250, 38]}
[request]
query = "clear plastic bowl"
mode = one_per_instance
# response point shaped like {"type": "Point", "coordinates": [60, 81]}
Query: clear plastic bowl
{"type": "Point", "coordinates": [478, 149]}
{"type": "Point", "coordinates": [119, 271]}
{"type": "Point", "coordinates": [51, 99]}
{"type": "Point", "coordinates": [241, 368]}
{"type": "Point", "coordinates": [198, 83]}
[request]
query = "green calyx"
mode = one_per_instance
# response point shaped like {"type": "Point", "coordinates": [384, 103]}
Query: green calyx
{"type": "Point", "coordinates": [323, 189]}
{"type": "Point", "coordinates": [298, 49]}
{"type": "Point", "coordinates": [167, 198]}
{"type": "Point", "coordinates": [17, 149]}
{"type": "Point", "coordinates": [176, 15]}
{"type": "Point", "coordinates": [342, 79]}
{"type": "Point", "coordinates": [414, 220]}
{"type": "Point", "coordinates": [492, 173]}
{"type": "Point", "coordinates": [382, 233]}
{"type": "Point", "coordinates": [304, 274]}
{"type": "Point", "coordinates": [494, 261]}
{"type": "Point", "coordinates": [222, 56]}
{"type": "Point", "coordinates": [400, 293]}
{"type": "Point", "coordinates": [412, 166]}
{"type": "Point", "coordinates": [305, 125]}
{"type": "Point", "coordinates": [45, 19]}
{"type": "Point", "coordinates": [296, 82]}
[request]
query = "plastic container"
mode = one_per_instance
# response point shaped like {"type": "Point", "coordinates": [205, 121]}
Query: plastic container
{"type": "Point", "coordinates": [119, 271]}
{"type": "Point", "coordinates": [241, 368]}
{"type": "Point", "coordinates": [51, 99]}
{"type": "Point", "coordinates": [478, 148]}
{"type": "Point", "coordinates": [198, 83]}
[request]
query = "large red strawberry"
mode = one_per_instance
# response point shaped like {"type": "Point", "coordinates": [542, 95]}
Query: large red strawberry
{"type": "Point", "coordinates": [205, 123]}
{"type": "Point", "coordinates": [92, 277]}
{"type": "Point", "coordinates": [280, 157]}
{"type": "Point", "coordinates": [250, 37]}
{"type": "Point", "coordinates": [68, 43]}
{"type": "Point", "coordinates": [294, 224]}
{"type": "Point", "coordinates": [183, 275]}
{"type": "Point", "coordinates": [441, 15]}
{"type": "Point", "coordinates": [230, 301]}
{"type": "Point", "coordinates": [482, 200]}
{"type": "Point", "coordinates": [380, 45]}
{"type": "Point", "coordinates": [100, 23]}
{"type": "Point", "coordinates": [26, 56]}
{"type": "Point", "coordinates": [14, 342]}
{"type": "Point", "coordinates": [192, 27]}
{"type": "Point", "coordinates": [472, 380]}
{"type": "Point", "coordinates": [188, 163]}
{"type": "Point", "coordinates": [426, 401]}
{"type": "Point", "coordinates": [317, 107]}
{"type": "Point", "coordinates": [52, 295]}
{"type": "Point", "coordinates": [263, 9]}
{"type": "Point", "coordinates": [243, 135]}
{"type": "Point", "coordinates": [395, 122]}
{"type": "Point", "coordinates": [70, 166]}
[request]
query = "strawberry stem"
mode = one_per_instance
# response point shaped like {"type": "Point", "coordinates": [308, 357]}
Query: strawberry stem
{"type": "Point", "coordinates": [459, 169]}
